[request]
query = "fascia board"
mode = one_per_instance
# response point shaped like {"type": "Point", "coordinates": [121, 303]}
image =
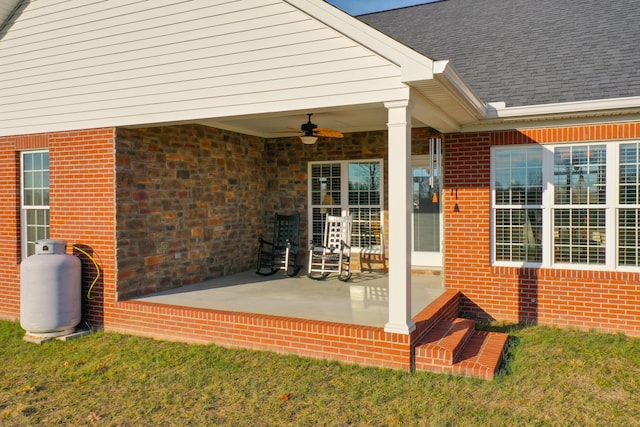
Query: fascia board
{"type": "Point", "coordinates": [500, 111]}
{"type": "Point", "coordinates": [563, 121]}
{"type": "Point", "coordinates": [614, 110]}
{"type": "Point", "coordinates": [448, 78]}
{"type": "Point", "coordinates": [413, 65]}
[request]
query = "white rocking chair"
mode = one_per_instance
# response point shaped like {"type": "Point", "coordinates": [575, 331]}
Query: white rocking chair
{"type": "Point", "coordinates": [334, 255]}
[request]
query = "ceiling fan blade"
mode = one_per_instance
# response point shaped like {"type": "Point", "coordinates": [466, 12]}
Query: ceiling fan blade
{"type": "Point", "coordinates": [329, 133]}
{"type": "Point", "coordinates": [288, 130]}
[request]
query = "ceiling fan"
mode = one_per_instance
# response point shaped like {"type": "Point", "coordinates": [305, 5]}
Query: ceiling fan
{"type": "Point", "coordinates": [311, 132]}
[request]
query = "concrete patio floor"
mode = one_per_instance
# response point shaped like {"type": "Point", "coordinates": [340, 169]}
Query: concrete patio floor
{"type": "Point", "coordinates": [363, 300]}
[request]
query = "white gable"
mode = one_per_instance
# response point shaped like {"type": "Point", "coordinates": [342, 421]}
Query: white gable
{"type": "Point", "coordinates": [80, 63]}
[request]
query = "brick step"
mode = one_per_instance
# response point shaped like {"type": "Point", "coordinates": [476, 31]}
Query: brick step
{"type": "Point", "coordinates": [445, 340]}
{"type": "Point", "coordinates": [482, 355]}
{"type": "Point", "coordinates": [446, 306]}
{"type": "Point", "coordinates": [455, 347]}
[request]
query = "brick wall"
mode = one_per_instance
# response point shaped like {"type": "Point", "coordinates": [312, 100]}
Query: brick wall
{"type": "Point", "coordinates": [82, 211]}
{"type": "Point", "coordinates": [9, 228]}
{"type": "Point", "coordinates": [364, 345]}
{"type": "Point", "coordinates": [607, 301]}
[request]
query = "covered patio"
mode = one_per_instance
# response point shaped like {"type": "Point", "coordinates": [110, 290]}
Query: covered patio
{"type": "Point", "coordinates": [196, 189]}
{"type": "Point", "coordinates": [204, 162]}
{"type": "Point", "coordinates": [363, 300]}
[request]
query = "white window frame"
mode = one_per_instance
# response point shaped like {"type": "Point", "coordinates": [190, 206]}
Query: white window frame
{"type": "Point", "coordinates": [611, 207]}
{"type": "Point", "coordinates": [511, 207]}
{"type": "Point", "coordinates": [619, 205]}
{"type": "Point", "coordinates": [344, 205]}
{"type": "Point", "coordinates": [25, 208]}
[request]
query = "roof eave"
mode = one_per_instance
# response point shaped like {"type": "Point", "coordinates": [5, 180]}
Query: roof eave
{"type": "Point", "coordinates": [446, 102]}
{"type": "Point", "coordinates": [447, 76]}
{"type": "Point", "coordinates": [500, 111]}
{"type": "Point", "coordinates": [558, 114]}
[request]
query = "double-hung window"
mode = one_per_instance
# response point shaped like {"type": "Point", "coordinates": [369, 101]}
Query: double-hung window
{"type": "Point", "coordinates": [629, 209]}
{"type": "Point", "coordinates": [353, 188]}
{"type": "Point", "coordinates": [518, 204]}
{"type": "Point", "coordinates": [34, 199]}
{"type": "Point", "coordinates": [580, 197]}
{"type": "Point", "coordinates": [567, 204]}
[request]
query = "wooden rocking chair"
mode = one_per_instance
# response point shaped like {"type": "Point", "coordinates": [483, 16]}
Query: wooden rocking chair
{"type": "Point", "coordinates": [334, 255]}
{"type": "Point", "coordinates": [282, 252]}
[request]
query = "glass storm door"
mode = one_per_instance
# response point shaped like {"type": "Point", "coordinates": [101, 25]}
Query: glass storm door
{"type": "Point", "coordinates": [427, 210]}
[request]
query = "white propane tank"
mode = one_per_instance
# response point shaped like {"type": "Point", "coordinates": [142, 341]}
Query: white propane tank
{"type": "Point", "coordinates": [50, 291]}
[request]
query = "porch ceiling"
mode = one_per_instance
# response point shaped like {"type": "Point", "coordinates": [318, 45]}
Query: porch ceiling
{"type": "Point", "coordinates": [345, 119]}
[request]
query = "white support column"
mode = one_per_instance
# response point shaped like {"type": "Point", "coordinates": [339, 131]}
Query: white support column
{"type": "Point", "coordinates": [400, 208]}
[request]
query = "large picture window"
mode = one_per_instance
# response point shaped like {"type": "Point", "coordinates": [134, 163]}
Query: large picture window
{"type": "Point", "coordinates": [347, 188]}
{"type": "Point", "coordinates": [34, 199]}
{"type": "Point", "coordinates": [576, 204]}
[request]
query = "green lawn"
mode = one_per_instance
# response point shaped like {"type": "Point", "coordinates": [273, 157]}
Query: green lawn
{"type": "Point", "coordinates": [552, 378]}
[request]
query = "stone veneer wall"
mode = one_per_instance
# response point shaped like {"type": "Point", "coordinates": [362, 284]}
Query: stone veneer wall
{"type": "Point", "coordinates": [192, 200]}
{"type": "Point", "coordinates": [190, 205]}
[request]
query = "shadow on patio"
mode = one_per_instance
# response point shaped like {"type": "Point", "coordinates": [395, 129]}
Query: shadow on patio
{"type": "Point", "coordinates": [363, 300]}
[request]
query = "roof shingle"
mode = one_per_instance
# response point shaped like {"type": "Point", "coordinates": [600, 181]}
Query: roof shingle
{"type": "Point", "coordinates": [526, 52]}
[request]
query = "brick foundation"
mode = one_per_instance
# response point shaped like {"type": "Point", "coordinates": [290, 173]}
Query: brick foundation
{"type": "Point", "coordinates": [364, 345]}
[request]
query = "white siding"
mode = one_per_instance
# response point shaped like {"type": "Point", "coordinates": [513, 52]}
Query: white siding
{"type": "Point", "coordinates": [82, 63]}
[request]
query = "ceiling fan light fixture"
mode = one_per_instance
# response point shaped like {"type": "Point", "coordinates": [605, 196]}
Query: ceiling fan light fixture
{"type": "Point", "coordinates": [308, 140]}
{"type": "Point", "coordinates": [309, 132]}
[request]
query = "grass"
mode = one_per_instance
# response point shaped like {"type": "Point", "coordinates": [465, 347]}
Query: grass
{"type": "Point", "coordinates": [552, 377]}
